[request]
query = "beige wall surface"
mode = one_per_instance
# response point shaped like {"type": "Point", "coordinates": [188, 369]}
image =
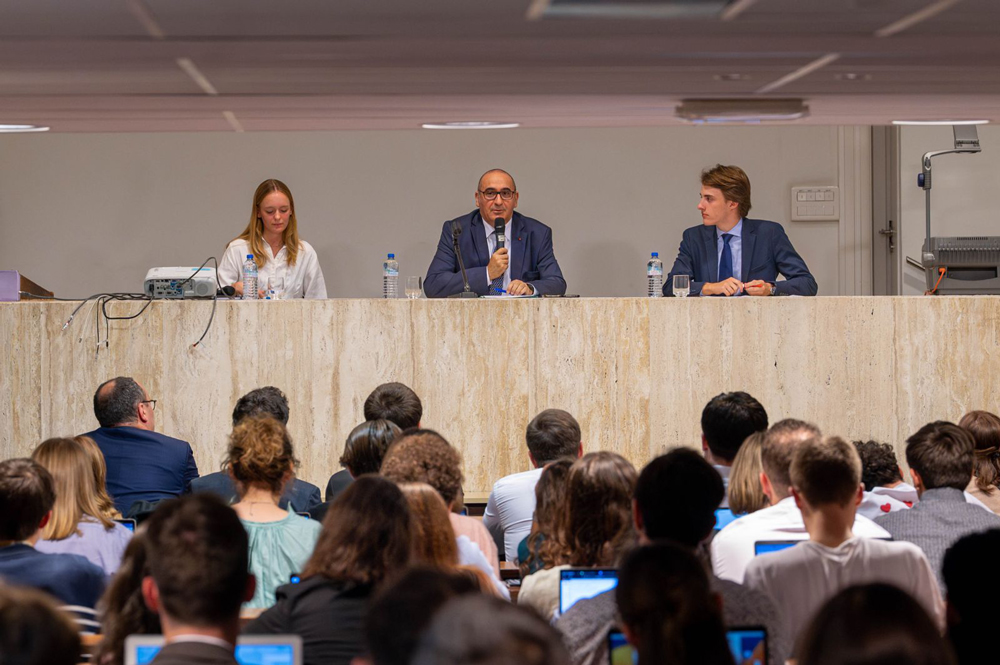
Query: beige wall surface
{"type": "Point", "coordinates": [85, 213]}
{"type": "Point", "coordinates": [635, 372]}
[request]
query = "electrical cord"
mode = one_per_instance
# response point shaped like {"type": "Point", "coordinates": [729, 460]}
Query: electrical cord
{"type": "Point", "coordinates": [941, 270]}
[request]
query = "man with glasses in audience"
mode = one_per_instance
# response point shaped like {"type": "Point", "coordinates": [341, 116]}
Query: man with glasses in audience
{"type": "Point", "coordinates": [143, 465]}
{"type": "Point", "coordinates": [525, 265]}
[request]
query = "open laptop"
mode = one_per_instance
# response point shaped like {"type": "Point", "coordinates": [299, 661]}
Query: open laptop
{"type": "Point", "coordinates": [128, 523]}
{"type": "Point", "coordinates": [748, 646]}
{"type": "Point", "coordinates": [766, 546]}
{"type": "Point", "coordinates": [250, 649]}
{"type": "Point", "coordinates": [723, 516]}
{"type": "Point", "coordinates": [575, 584]}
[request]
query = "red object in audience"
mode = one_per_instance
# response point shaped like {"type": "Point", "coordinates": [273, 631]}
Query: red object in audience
{"type": "Point", "coordinates": [885, 507]}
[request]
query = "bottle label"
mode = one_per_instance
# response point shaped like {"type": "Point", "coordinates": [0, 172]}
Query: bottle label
{"type": "Point", "coordinates": [653, 271]}
{"type": "Point", "coordinates": [390, 272]}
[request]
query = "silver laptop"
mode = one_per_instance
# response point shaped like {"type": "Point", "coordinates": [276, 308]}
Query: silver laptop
{"type": "Point", "coordinates": [250, 649]}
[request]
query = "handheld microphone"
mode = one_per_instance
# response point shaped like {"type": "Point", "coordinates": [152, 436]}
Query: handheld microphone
{"type": "Point", "coordinates": [499, 226]}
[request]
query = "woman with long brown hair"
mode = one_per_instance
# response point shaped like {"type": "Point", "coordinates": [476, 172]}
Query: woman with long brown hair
{"type": "Point", "coordinates": [83, 516]}
{"type": "Point", "coordinates": [595, 529]}
{"type": "Point", "coordinates": [985, 430]}
{"type": "Point", "coordinates": [123, 611]}
{"type": "Point", "coordinates": [538, 550]}
{"type": "Point", "coordinates": [286, 264]}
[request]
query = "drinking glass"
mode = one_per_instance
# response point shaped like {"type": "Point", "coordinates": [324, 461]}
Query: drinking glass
{"type": "Point", "coordinates": [414, 287]}
{"type": "Point", "coordinates": [682, 286]}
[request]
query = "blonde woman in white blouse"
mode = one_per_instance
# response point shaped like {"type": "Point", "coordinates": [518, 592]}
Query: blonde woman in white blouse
{"type": "Point", "coordinates": [285, 264]}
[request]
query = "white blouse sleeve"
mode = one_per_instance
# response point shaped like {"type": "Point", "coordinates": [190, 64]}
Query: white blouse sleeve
{"type": "Point", "coordinates": [313, 283]}
{"type": "Point", "coordinates": [231, 264]}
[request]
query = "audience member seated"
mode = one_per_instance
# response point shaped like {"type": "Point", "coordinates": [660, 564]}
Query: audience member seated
{"type": "Point", "coordinates": [299, 496]}
{"type": "Point", "coordinates": [874, 624]}
{"type": "Point", "coordinates": [435, 543]}
{"type": "Point", "coordinates": [984, 427]}
{"type": "Point", "coordinates": [123, 611]}
{"type": "Point", "coordinates": [363, 453]}
{"type": "Point", "coordinates": [143, 465]}
{"type": "Point", "coordinates": [826, 486]}
{"type": "Point", "coordinates": [401, 612]}
{"type": "Point", "coordinates": [198, 579]}
{"type": "Point", "coordinates": [262, 463]}
{"type": "Point", "coordinates": [552, 434]}
{"type": "Point", "coordinates": [33, 631]}
{"type": "Point", "coordinates": [83, 515]}
{"type": "Point", "coordinates": [538, 550]}
{"type": "Point", "coordinates": [394, 402]}
{"type": "Point", "coordinates": [594, 529]}
{"type": "Point", "coordinates": [885, 490]}
{"type": "Point", "coordinates": [367, 536]}
{"type": "Point", "coordinates": [726, 422]}
{"type": "Point", "coordinates": [476, 630]}
{"type": "Point", "coordinates": [424, 456]}
{"type": "Point", "coordinates": [668, 611]}
{"type": "Point", "coordinates": [675, 500]}
{"type": "Point", "coordinates": [733, 546]}
{"type": "Point", "coordinates": [940, 457]}
{"type": "Point", "coordinates": [967, 572]}
{"type": "Point", "coordinates": [26, 500]}
{"type": "Point", "coordinates": [743, 491]}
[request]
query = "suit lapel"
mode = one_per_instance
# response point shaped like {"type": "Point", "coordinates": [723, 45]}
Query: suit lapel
{"type": "Point", "coordinates": [749, 237]}
{"type": "Point", "coordinates": [478, 234]}
{"type": "Point", "coordinates": [516, 244]}
{"type": "Point", "coordinates": [712, 253]}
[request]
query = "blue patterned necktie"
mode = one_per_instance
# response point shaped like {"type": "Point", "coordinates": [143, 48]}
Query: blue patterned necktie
{"type": "Point", "coordinates": [726, 264]}
{"type": "Point", "coordinates": [496, 286]}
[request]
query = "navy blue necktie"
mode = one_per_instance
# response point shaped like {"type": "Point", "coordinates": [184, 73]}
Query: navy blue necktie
{"type": "Point", "coordinates": [726, 264]}
{"type": "Point", "coordinates": [496, 285]}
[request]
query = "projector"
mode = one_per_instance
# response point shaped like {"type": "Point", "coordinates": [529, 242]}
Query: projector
{"type": "Point", "coordinates": [178, 282]}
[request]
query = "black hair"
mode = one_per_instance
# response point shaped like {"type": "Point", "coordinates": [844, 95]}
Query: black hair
{"type": "Point", "coordinates": [728, 419]}
{"type": "Point", "coordinates": [879, 467]}
{"type": "Point", "coordinates": [967, 568]}
{"type": "Point", "coordinates": [117, 406]}
{"type": "Point", "coordinates": [677, 495]}
{"type": "Point", "coordinates": [266, 401]}
{"type": "Point", "coordinates": [26, 494]}
{"type": "Point", "coordinates": [366, 446]}
{"type": "Point", "coordinates": [942, 453]}
{"type": "Point", "coordinates": [394, 402]}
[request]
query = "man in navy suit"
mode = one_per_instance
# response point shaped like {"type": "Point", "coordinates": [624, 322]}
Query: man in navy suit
{"type": "Point", "coordinates": [142, 465]}
{"type": "Point", "coordinates": [730, 255]}
{"type": "Point", "coordinates": [526, 264]}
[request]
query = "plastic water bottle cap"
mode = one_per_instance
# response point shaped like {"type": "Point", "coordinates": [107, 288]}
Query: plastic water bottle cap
{"type": "Point", "coordinates": [391, 255]}
{"type": "Point", "coordinates": [249, 256]}
{"type": "Point", "coordinates": [655, 254]}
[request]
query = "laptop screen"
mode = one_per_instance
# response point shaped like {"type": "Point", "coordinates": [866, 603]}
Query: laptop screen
{"type": "Point", "coordinates": [723, 516]}
{"type": "Point", "coordinates": [127, 523]}
{"type": "Point", "coordinates": [765, 546]}
{"type": "Point", "coordinates": [250, 650]}
{"type": "Point", "coordinates": [748, 645]}
{"type": "Point", "coordinates": [575, 584]}
{"type": "Point", "coordinates": [620, 652]}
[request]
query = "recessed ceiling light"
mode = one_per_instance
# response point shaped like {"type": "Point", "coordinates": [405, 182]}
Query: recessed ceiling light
{"type": "Point", "coordinates": [471, 125]}
{"type": "Point", "coordinates": [940, 122]}
{"type": "Point", "coordinates": [10, 129]}
{"type": "Point", "coordinates": [732, 77]}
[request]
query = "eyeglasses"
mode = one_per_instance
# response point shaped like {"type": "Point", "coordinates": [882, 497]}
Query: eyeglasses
{"type": "Point", "coordinates": [505, 194]}
{"type": "Point", "coordinates": [150, 402]}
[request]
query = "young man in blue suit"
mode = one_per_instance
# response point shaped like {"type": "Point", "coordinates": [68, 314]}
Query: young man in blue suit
{"type": "Point", "coordinates": [525, 265]}
{"type": "Point", "coordinates": [730, 255]}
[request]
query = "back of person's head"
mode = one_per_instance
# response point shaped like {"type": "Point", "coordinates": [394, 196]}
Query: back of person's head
{"type": "Point", "coordinates": [676, 496]}
{"type": "Point", "coordinates": [550, 507]}
{"type": "Point", "coordinates": [598, 522]}
{"type": "Point", "coordinates": [266, 401]}
{"type": "Point", "coordinates": [116, 401]}
{"type": "Point", "coordinates": [433, 537]}
{"type": "Point", "coordinates": [366, 446]}
{"type": "Point", "coordinates": [367, 534]}
{"type": "Point", "coordinates": [879, 467]}
{"type": "Point", "coordinates": [27, 494]}
{"type": "Point", "coordinates": [481, 630]}
{"type": "Point", "coordinates": [260, 454]}
{"type": "Point", "coordinates": [75, 486]}
{"type": "Point", "coordinates": [826, 472]}
{"type": "Point", "coordinates": [552, 434]}
{"type": "Point", "coordinates": [100, 467]}
{"type": "Point", "coordinates": [984, 427]}
{"type": "Point", "coordinates": [727, 420]}
{"type": "Point", "coordinates": [941, 453]}
{"type": "Point", "coordinates": [744, 491]}
{"type": "Point", "coordinates": [123, 611]}
{"type": "Point", "coordinates": [402, 610]}
{"type": "Point", "coordinates": [667, 607]}
{"type": "Point", "coordinates": [967, 570]}
{"type": "Point", "coordinates": [33, 631]}
{"type": "Point", "coordinates": [396, 403]}
{"type": "Point", "coordinates": [198, 557]}
{"type": "Point", "coordinates": [779, 446]}
{"type": "Point", "coordinates": [873, 624]}
{"type": "Point", "coordinates": [424, 456]}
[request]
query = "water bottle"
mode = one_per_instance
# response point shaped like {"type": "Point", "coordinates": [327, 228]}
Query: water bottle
{"type": "Point", "coordinates": [390, 277]}
{"type": "Point", "coordinates": [654, 274]}
{"type": "Point", "coordinates": [250, 279]}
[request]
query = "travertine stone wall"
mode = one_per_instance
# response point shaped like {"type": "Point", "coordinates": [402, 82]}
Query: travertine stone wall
{"type": "Point", "coordinates": [635, 372]}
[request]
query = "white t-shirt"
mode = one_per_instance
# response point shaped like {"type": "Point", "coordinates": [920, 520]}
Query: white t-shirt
{"type": "Point", "coordinates": [303, 280]}
{"type": "Point", "coordinates": [510, 510]}
{"type": "Point", "coordinates": [802, 578]}
{"type": "Point", "coordinates": [733, 547]}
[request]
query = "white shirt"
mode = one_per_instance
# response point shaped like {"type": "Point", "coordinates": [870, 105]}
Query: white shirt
{"type": "Point", "coordinates": [510, 510]}
{"type": "Point", "coordinates": [469, 554]}
{"type": "Point", "coordinates": [802, 578]}
{"type": "Point", "coordinates": [303, 280]}
{"type": "Point", "coordinates": [724, 472]}
{"type": "Point", "coordinates": [491, 243]}
{"type": "Point", "coordinates": [875, 504]}
{"type": "Point", "coordinates": [733, 547]}
{"type": "Point", "coordinates": [908, 494]}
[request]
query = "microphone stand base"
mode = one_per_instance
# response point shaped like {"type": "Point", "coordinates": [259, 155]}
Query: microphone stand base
{"type": "Point", "coordinates": [464, 294]}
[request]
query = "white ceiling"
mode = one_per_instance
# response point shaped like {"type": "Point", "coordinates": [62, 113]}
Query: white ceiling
{"type": "Point", "coordinates": [254, 65]}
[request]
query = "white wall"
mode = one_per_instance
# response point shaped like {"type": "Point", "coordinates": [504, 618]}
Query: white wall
{"type": "Point", "coordinates": [87, 213]}
{"type": "Point", "coordinates": [962, 194]}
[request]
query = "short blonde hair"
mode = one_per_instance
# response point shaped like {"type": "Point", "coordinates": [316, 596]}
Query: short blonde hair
{"type": "Point", "coordinates": [745, 493]}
